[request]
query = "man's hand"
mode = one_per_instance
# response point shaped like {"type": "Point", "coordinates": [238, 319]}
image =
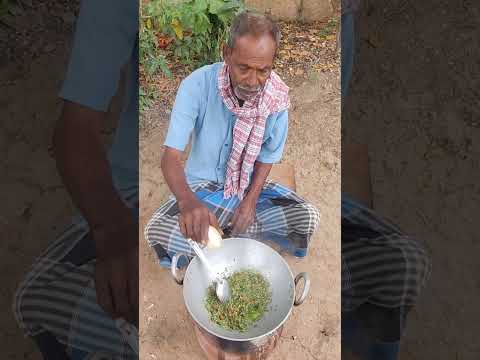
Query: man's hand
{"type": "Point", "coordinates": [194, 216]}
{"type": "Point", "coordinates": [114, 229]}
{"type": "Point", "coordinates": [245, 213]}
{"type": "Point", "coordinates": [244, 216]}
{"type": "Point", "coordinates": [195, 219]}
{"type": "Point", "coordinates": [116, 270]}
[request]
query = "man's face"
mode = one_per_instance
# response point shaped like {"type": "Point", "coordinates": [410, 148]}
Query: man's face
{"type": "Point", "coordinates": [250, 62]}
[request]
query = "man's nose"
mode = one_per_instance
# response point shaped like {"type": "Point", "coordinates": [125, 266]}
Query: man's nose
{"type": "Point", "coordinates": [252, 80]}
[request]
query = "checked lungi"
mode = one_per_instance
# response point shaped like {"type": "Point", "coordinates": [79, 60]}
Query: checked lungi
{"type": "Point", "coordinates": [58, 297]}
{"type": "Point", "coordinates": [381, 265]}
{"type": "Point", "coordinates": [281, 217]}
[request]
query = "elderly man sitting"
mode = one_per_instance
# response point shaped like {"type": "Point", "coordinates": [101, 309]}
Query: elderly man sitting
{"type": "Point", "coordinates": [237, 114]}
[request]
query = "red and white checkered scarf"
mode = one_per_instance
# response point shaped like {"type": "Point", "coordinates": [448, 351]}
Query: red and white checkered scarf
{"type": "Point", "coordinates": [249, 127]}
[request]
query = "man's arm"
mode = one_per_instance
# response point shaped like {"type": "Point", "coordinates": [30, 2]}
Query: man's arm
{"type": "Point", "coordinates": [270, 153]}
{"type": "Point", "coordinates": [245, 213]}
{"type": "Point", "coordinates": [105, 42]}
{"type": "Point", "coordinates": [194, 216]}
{"type": "Point", "coordinates": [174, 175]}
{"type": "Point", "coordinates": [82, 163]}
{"type": "Point", "coordinates": [259, 177]}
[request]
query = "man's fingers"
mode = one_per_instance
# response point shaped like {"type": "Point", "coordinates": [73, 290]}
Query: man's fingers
{"type": "Point", "coordinates": [189, 226]}
{"type": "Point", "coordinates": [242, 223]}
{"type": "Point", "coordinates": [246, 225]}
{"type": "Point", "coordinates": [242, 226]}
{"type": "Point", "coordinates": [102, 287]}
{"type": "Point", "coordinates": [214, 222]}
{"type": "Point", "coordinates": [194, 223]}
{"type": "Point", "coordinates": [181, 224]}
{"type": "Point", "coordinates": [236, 223]}
{"type": "Point", "coordinates": [197, 228]}
{"type": "Point", "coordinates": [212, 219]}
{"type": "Point", "coordinates": [204, 228]}
{"type": "Point", "coordinates": [121, 301]}
{"type": "Point", "coordinates": [133, 288]}
{"type": "Point", "coordinates": [234, 219]}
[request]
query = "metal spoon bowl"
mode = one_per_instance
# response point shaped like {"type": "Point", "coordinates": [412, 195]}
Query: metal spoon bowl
{"type": "Point", "coordinates": [222, 289]}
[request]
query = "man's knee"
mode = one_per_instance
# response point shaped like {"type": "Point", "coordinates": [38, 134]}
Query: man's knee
{"type": "Point", "coordinates": [413, 274]}
{"type": "Point", "coordinates": [20, 306]}
{"type": "Point", "coordinates": [417, 261]}
{"type": "Point", "coordinates": [158, 228]}
{"type": "Point", "coordinates": [33, 302]}
{"type": "Point", "coordinates": [423, 263]}
{"type": "Point", "coordinates": [309, 218]}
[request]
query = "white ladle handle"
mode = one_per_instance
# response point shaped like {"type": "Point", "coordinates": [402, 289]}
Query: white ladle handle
{"type": "Point", "coordinates": [199, 251]}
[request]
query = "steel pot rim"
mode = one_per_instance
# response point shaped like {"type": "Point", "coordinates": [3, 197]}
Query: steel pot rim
{"type": "Point", "coordinates": [294, 300]}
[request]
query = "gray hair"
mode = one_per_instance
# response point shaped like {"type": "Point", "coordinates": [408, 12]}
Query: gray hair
{"type": "Point", "coordinates": [252, 23]}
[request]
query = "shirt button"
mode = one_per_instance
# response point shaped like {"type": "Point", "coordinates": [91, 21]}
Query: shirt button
{"type": "Point", "coordinates": [226, 145]}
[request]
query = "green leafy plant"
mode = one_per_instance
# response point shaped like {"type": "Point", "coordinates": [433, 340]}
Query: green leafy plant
{"type": "Point", "coordinates": [146, 97]}
{"type": "Point", "coordinates": [193, 31]}
{"type": "Point", "coordinates": [198, 28]}
{"type": "Point", "coordinates": [151, 58]}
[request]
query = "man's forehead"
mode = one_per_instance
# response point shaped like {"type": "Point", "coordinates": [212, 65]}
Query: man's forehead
{"type": "Point", "coordinates": [260, 48]}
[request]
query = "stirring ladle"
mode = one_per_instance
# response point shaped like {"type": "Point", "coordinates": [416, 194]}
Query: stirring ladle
{"type": "Point", "coordinates": [222, 289]}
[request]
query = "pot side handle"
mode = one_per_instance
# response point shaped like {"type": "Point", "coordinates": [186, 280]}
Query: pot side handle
{"type": "Point", "coordinates": [174, 270]}
{"type": "Point", "coordinates": [306, 288]}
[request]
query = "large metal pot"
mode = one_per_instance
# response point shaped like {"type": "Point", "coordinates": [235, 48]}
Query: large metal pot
{"type": "Point", "coordinates": [237, 254]}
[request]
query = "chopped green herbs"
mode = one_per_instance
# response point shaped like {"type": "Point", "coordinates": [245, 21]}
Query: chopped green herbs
{"type": "Point", "coordinates": [250, 296]}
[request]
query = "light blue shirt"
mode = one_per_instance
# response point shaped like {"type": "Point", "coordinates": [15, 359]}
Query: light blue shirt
{"type": "Point", "coordinates": [199, 113]}
{"type": "Point", "coordinates": [106, 41]}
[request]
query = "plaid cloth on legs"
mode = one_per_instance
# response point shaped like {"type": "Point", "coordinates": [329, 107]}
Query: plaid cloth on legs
{"type": "Point", "coordinates": [380, 264]}
{"type": "Point", "coordinates": [58, 297]}
{"type": "Point", "coordinates": [281, 216]}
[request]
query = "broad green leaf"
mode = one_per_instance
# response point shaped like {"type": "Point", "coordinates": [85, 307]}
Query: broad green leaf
{"type": "Point", "coordinates": [165, 69]}
{"type": "Point", "coordinates": [200, 6]}
{"type": "Point", "coordinates": [230, 6]}
{"type": "Point", "coordinates": [215, 6]}
{"type": "Point", "coordinates": [202, 24]}
{"type": "Point", "coordinates": [187, 17]}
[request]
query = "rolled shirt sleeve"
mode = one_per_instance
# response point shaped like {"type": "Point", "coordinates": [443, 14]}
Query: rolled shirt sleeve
{"type": "Point", "coordinates": [273, 146]}
{"type": "Point", "coordinates": [105, 36]}
{"type": "Point", "coordinates": [186, 111]}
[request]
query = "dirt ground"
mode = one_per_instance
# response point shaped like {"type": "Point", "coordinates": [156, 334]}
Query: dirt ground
{"type": "Point", "coordinates": [36, 207]}
{"type": "Point", "coordinates": [414, 100]}
{"type": "Point", "coordinates": [310, 66]}
{"type": "Point", "coordinates": [313, 148]}
{"type": "Point", "coordinates": [436, 139]}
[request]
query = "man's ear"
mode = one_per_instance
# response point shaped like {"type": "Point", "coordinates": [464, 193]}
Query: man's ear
{"type": "Point", "coordinates": [226, 52]}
